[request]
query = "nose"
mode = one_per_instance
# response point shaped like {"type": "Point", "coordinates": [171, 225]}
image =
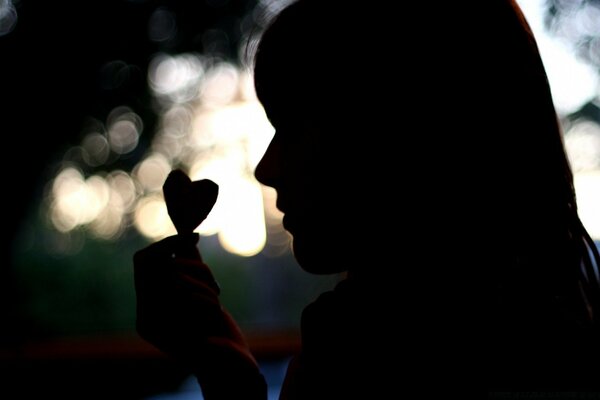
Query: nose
{"type": "Point", "coordinates": [270, 168]}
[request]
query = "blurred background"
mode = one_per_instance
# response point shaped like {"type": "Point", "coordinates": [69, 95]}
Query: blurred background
{"type": "Point", "coordinates": [100, 101]}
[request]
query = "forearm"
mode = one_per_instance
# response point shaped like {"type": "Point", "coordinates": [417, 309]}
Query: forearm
{"type": "Point", "coordinates": [178, 311]}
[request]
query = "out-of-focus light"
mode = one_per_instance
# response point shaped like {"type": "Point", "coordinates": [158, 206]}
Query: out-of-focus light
{"type": "Point", "coordinates": [176, 77]}
{"type": "Point", "coordinates": [582, 142]}
{"type": "Point", "coordinates": [220, 86]}
{"type": "Point", "coordinates": [168, 145]}
{"type": "Point", "coordinates": [587, 187]}
{"type": "Point", "coordinates": [261, 130]}
{"type": "Point", "coordinates": [220, 135]}
{"type": "Point", "coordinates": [238, 215]}
{"type": "Point", "coordinates": [238, 135]}
{"type": "Point", "coordinates": [99, 195]}
{"type": "Point", "coordinates": [124, 129]}
{"type": "Point", "coordinates": [587, 18]}
{"type": "Point", "coordinates": [62, 222]}
{"type": "Point", "coordinates": [177, 120]}
{"type": "Point", "coordinates": [573, 82]}
{"type": "Point", "coordinates": [123, 136]}
{"type": "Point", "coordinates": [109, 223]}
{"type": "Point", "coordinates": [8, 17]}
{"type": "Point", "coordinates": [123, 190]}
{"type": "Point", "coordinates": [75, 200]}
{"type": "Point", "coordinates": [243, 228]}
{"type": "Point", "coordinates": [215, 169]}
{"type": "Point", "coordinates": [594, 53]}
{"type": "Point", "coordinates": [243, 124]}
{"type": "Point", "coordinates": [202, 135]}
{"type": "Point", "coordinates": [96, 149]}
{"type": "Point", "coordinates": [152, 172]}
{"type": "Point", "coordinates": [152, 218]}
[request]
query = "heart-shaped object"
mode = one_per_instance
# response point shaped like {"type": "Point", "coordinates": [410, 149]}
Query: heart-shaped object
{"type": "Point", "coordinates": [188, 202]}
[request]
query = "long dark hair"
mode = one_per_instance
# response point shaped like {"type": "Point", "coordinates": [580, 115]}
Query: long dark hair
{"type": "Point", "coordinates": [544, 257]}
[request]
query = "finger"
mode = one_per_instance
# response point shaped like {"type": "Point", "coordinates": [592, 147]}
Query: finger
{"type": "Point", "coordinates": [169, 247]}
{"type": "Point", "coordinates": [153, 285]}
{"type": "Point", "coordinates": [159, 261]}
{"type": "Point", "coordinates": [179, 272]}
{"type": "Point", "coordinates": [195, 272]}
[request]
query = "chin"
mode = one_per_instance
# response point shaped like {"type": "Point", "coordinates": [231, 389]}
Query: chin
{"type": "Point", "coordinates": [318, 259]}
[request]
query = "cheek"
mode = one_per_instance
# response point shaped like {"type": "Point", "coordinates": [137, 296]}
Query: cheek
{"type": "Point", "coordinates": [320, 197]}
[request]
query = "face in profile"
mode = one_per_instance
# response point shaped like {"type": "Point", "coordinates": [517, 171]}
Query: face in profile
{"type": "Point", "coordinates": [297, 165]}
{"type": "Point", "coordinates": [308, 93]}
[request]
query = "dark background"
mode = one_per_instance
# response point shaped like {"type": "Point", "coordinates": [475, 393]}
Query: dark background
{"type": "Point", "coordinates": [56, 70]}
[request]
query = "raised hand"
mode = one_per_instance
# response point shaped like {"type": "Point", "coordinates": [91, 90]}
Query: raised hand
{"type": "Point", "coordinates": [178, 308]}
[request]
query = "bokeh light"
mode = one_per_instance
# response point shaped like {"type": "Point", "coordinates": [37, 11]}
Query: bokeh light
{"type": "Point", "coordinates": [96, 149]}
{"type": "Point", "coordinates": [582, 141]}
{"type": "Point", "coordinates": [574, 84]}
{"type": "Point", "coordinates": [242, 230]}
{"type": "Point", "coordinates": [211, 125]}
{"type": "Point", "coordinates": [152, 219]}
{"type": "Point", "coordinates": [76, 201]}
{"type": "Point", "coordinates": [587, 187]}
{"type": "Point", "coordinates": [124, 129]}
{"type": "Point", "coordinates": [176, 77]}
{"type": "Point", "coordinates": [152, 172]}
{"type": "Point", "coordinates": [572, 81]}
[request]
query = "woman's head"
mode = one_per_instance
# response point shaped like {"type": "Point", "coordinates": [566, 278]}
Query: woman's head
{"type": "Point", "coordinates": [310, 78]}
{"type": "Point", "coordinates": [388, 146]}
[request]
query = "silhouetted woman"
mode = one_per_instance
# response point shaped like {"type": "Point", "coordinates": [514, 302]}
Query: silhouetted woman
{"type": "Point", "coordinates": [418, 150]}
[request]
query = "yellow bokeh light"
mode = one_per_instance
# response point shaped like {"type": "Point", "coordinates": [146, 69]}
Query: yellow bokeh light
{"type": "Point", "coordinates": [220, 86]}
{"type": "Point", "coordinates": [122, 188]}
{"type": "Point", "coordinates": [62, 222]}
{"type": "Point", "coordinates": [243, 226]}
{"type": "Point", "coordinates": [124, 129]}
{"type": "Point", "coordinates": [176, 77]}
{"type": "Point", "coordinates": [153, 171]}
{"type": "Point", "coordinates": [96, 149]}
{"type": "Point", "coordinates": [77, 201]}
{"type": "Point", "coordinates": [230, 140]}
{"type": "Point", "coordinates": [98, 196]}
{"type": "Point", "coordinates": [215, 169]}
{"type": "Point", "coordinates": [587, 187]}
{"type": "Point", "coordinates": [212, 126]}
{"type": "Point", "coordinates": [123, 136]}
{"type": "Point", "coordinates": [109, 223]}
{"type": "Point", "coordinates": [152, 219]}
